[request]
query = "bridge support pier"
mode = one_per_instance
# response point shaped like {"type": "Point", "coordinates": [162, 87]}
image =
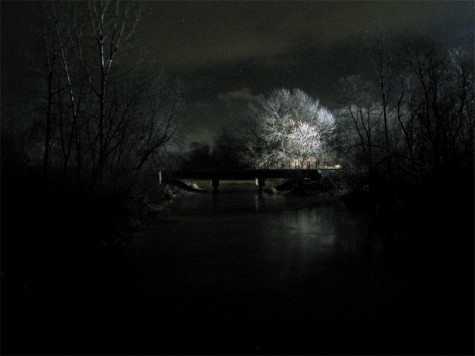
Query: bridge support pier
{"type": "Point", "coordinates": [215, 183]}
{"type": "Point", "coordinates": [260, 182]}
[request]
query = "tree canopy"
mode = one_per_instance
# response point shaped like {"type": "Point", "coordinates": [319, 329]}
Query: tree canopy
{"type": "Point", "coordinates": [288, 126]}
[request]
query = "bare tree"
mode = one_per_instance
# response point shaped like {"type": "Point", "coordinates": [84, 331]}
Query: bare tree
{"type": "Point", "coordinates": [51, 58]}
{"type": "Point", "coordinates": [383, 56]}
{"type": "Point", "coordinates": [70, 88]}
{"type": "Point", "coordinates": [228, 149]}
{"type": "Point", "coordinates": [441, 99]}
{"type": "Point", "coordinates": [288, 125]}
{"type": "Point", "coordinates": [162, 109]}
{"type": "Point", "coordinates": [419, 115]}
{"type": "Point", "coordinates": [110, 25]}
{"type": "Point", "coordinates": [104, 119]}
{"type": "Point", "coordinates": [364, 115]}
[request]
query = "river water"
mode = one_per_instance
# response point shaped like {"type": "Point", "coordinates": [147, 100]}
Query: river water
{"type": "Point", "coordinates": [242, 273]}
{"type": "Point", "coordinates": [237, 272]}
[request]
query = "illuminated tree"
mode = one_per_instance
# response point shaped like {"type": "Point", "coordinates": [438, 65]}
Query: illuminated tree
{"type": "Point", "coordinates": [288, 126]}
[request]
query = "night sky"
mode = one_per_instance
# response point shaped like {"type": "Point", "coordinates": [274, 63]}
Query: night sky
{"type": "Point", "coordinates": [228, 52]}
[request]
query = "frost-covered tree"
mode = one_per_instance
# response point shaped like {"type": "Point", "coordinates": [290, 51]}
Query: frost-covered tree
{"type": "Point", "coordinates": [288, 125]}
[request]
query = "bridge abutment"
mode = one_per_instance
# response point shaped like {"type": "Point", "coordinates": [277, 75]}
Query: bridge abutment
{"type": "Point", "coordinates": [260, 182]}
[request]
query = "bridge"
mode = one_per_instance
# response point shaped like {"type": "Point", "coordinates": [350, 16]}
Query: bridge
{"type": "Point", "coordinates": [260, 175]}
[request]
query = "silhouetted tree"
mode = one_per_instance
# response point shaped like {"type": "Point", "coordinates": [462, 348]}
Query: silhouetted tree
{"type": "Point", "coordinates": [227, 151]}
{"type": "Point", "coordinates": [416, 113]}
{"type": "Point", "coordinates": [100, 110]}
{"type": "Point", "coordinates": [363, 114]}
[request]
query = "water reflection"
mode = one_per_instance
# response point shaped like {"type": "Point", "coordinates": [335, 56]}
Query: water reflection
{"type": "Point", "coordinates": [287, 236]}
{"type": "Point", "coordinates": [299, 240]}
{"type": "Point", "coordinates": [257, 201]}
{"type": "Point", "coordinates": [271, 269]}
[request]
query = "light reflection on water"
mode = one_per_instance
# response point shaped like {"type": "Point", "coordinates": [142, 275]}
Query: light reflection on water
{"type": "Point", "coordinates": [289, 234]}
{"type": "Point", "coordinates": [270, 262]}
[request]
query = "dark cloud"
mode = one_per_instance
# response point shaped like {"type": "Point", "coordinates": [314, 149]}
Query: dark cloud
{"type": "Point", "coordinates": [195, 34]}
{"type": "Point", "coordinates": [243, 94]}
{"type": "Point", "coordinates": [222, 47]}
{"type": "Point", "coordinates": [228, 52]}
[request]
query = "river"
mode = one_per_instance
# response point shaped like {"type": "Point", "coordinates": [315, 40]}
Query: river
{"type": "Point", "coordinates": [236, 272]}
{"type": "Point", "coordinates": [239, 272]}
